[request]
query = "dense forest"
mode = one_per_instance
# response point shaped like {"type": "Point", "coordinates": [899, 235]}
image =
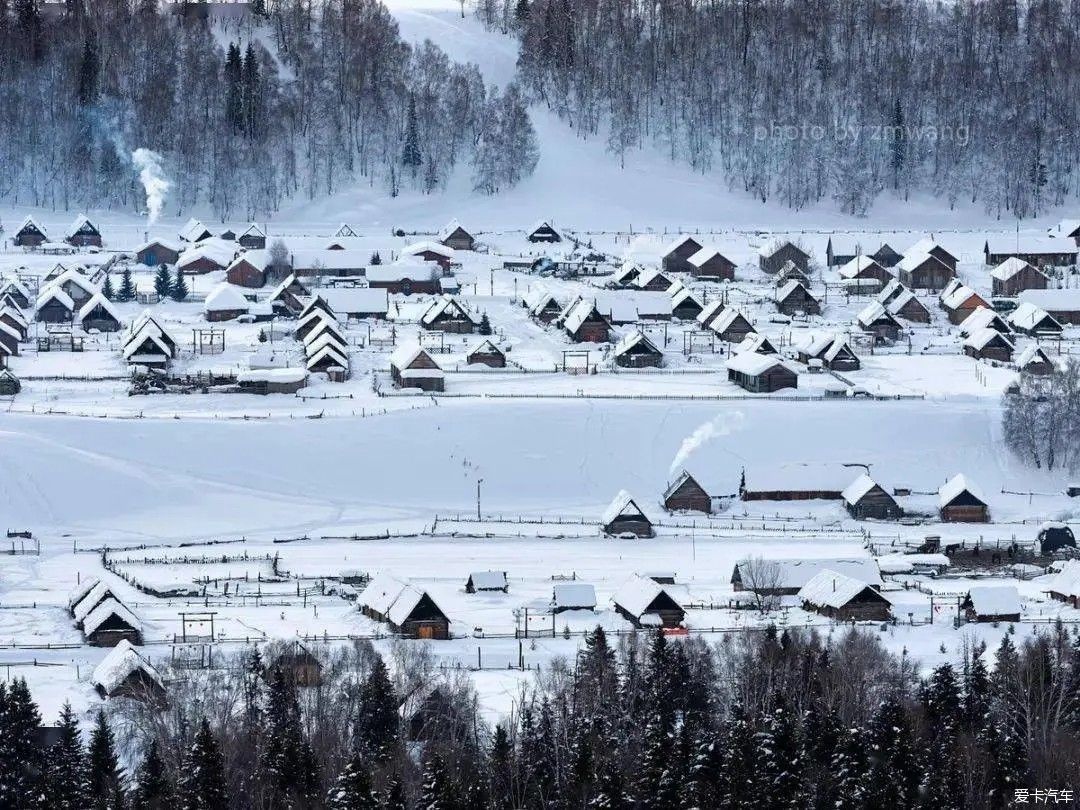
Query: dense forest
{"type": "Point", "coordinates": [800, 101]}
{"type": "Point", "coordinates": [769, 719]}
{"type": "Point", "coordinates": [294, 98]}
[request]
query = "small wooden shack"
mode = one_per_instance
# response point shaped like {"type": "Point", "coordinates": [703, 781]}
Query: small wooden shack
{"type": "Point", "coordinates": [1014, 275]}
{"type": "Point", "coordinates": [30, 234]}
{"type": "Point", "coordinates": [843, 598]}
{"type": "Point", "coordinates": [543, 231]}
{"type": "Point", "coordinates": [624, 518]}
{"type": "Point", "coordinates": [866, 499]}
{"type": "Point", "coordinates": [637, 351]}
{"type": "Point", "coordinates": [486, 353]}
{"type": "Point", "coordinates": [988, 344]}
{"type": "Point", "coordinates": [677, 254]}
{"type": "Point", "coordinates": [406, 609]}
{"type": "Point", "coordinates": [454, 236]}
{"type": "Point", "coordinates": [991, 603]}
{"type": "Point", "coordinates": [761, 373]}
{"type": "Point", "coordinates": [644, 603]}
{"type": "Point", "coordinates": [774, 255]}
{"type": "Point", "coordinates": [712, 265]}
{"type": "Point", "coordinates": [412, 367]}
{"type": "Point", "coordinates": [83, 233]}
{"type": "Point", "coordinates": [960, 501]}
{"type": "Point", "coordinates": [125, 672]}
{"type": "Point", "coordinates": [480, 581]}
{"type": "Point", "coordinates": [685, 494]}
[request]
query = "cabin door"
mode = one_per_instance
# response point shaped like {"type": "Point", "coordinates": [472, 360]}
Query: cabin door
{"type": "Point", "coordinates": [426, 631]}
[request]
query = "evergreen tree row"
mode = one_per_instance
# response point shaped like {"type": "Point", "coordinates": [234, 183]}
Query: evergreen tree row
{"type": "Point", "coordinates": [767, 719]}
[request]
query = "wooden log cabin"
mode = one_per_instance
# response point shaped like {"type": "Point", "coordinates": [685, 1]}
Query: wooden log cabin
{"type": "Point", "coordinates": [866, 499]}
{"type": "Point", "coordinates": [761, 374]}
{"type": "Point", "coordinates": [960, 501]}
{"type": "Point", "coordinates": [637, 351]}
{"type": "Point", "coordinates": [991, 603]}
{"type": "Point", "coordinates": [772, 256]}
{"type": "Point", "coordinates": [624, 518]}
{"type": "Point", "coordinates": [844, 598]}
{"type": "Point", "coordinates": [1036, 250]}
{"type": "Point", "coordinates": [408, 610]}
{"type": "Point", "coordinates": [83, 233]}
{"type": "Point", "coordinates": [710, 264]}
{"type": "Point", "coordinates": [412, 367]}
{"type": "Point", "coordinates": [677, 254]}
{"type": "Point", "coordinates": [454, 236]}
{"type": "Point", "coordinates": [584, 323]}
{"type": "Point", "coordinates": [685, 494]}
{"type": "Point", "coordinates": [988, 344]}
{"type": "Point", "coordinates": [157, 252]}
{"type": "Point", "coordinates": [30, 234]}
{"type": "Point", "coordinates": [1014, 275]}
{"type": "Point", "coordinates": [646, 603]}
{"type": "Point", "coordinates": [486, 353]}
{"type": "Point", "coordinates": [793, 298]}
{"type": "Point", "coordinates": [923, 271]}
{"type": "Point", "coordinates": [125, 672]}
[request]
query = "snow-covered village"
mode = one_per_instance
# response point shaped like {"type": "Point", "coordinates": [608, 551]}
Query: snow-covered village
{"type": "Point", "coordinates": [455, 455]}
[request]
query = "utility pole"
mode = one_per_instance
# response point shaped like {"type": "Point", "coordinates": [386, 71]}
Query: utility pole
{"type": "Point", "coordinates": [479, 481]}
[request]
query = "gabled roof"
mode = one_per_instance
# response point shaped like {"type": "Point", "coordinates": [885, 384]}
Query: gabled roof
{"type": "Point", "coordinates": [833, 589]}
{"type": "Point", "coordinates": [858, 489]}
{"type": "Point", "coordinates": [98, 300]}
{"type": "Point", "coordinates": [81, 223]}
{"type": "Point", "coordinates": [1027, 316]}
{"type": "Point", "coordinates": [393, 598]}
{"type": "Point", "coordinates": [488, 580]}
{"type": "Point", "coordinates": [622, 505]}
{"type": "Point", "coordinates": [710, 311]}
{"type": "Point", "coordinates": [165, 243]}
{"type": "Point", "coordinates": [122, 661]}
{"type": "Point", "coordinates": [194, 230]}
{"type": "Point", "coordinates": [345, 230]}
{"type": "Point", "coordinates": [678, 242]}
{"type": "Point", "coordinates": [330, 351]}
{"type": "Point", "coordinates": [706, 254]}
{"type": "Point", "coordinates": [539, 225]}
{"type": "Point", "coordinates": [955, 487]}
{"type": "Point", "coordinates": [912, 260]}
{"type": "Point", "coordinates": [54, 293]}
{"type": "Point", "coordinates": [213, 250]}
{"type": "Point", "coordinates": [445, 305]}
{"type": "Point", "coordinates": [873, 313]}
{"type": "Point", "coordinates": [407, 267]}
{"type": "Point", "coordinates": [1028, 244]}
{"type": "Point", "coordinates": [755, 342]}
{"type": "Point", "coordinates": [579, 312]}
{"type": "Point", "coordinates": [925, 246]}
{"type": "Point", "coordinates": [753, 364]}
{"type": "Point", "coordinates": [110, 607]}
{"type": "Point", "coordinates": [959, 295]}
{"type": "Point", "coordinates": [857, 266]}
{"type": "Point", "coordinates": [981, 318]}
{"type": "Point", "coordinates": [30, 222]}
{"type": "Point", "coordinates": [449, 228]}
{"type": "Point", "coordinates": [790, 288]}
{"type": "Point", "coordinates": [1067, 580]}
{"type": "Point", "coordinates": [224, 298]}
{"type": "Point", "coordinates": [725, 319]}
{"type": "Point", "coordinates": [682, 295]}
{"type": "Point", "coordinates": [994, 600]}
{"type": "Point", "coordinates": [650, 274]}
{"type": "Point", "coordinates": [635, 339]}
{"type": "Point", "coordinates": [1033, 354]}
{"type": "Point", "coordinates": [138, 346]}
{"type": "Point", "coordinates": [15, 314]}
{"type": "Point", "coordinates": [406, 354]}
{"type": "Point", "coordinates": [773, 245]}
{"type": "Point", "coordinates": [627, 272]}
{"type": "Point", "coordinates": [794, 572]}
{"type": "Point", "coordinates": [637, 593]}
{"type": "Point", "coordinates": [280, 289]}
{"type": "Point", "coordinates": [73, 276]}
{"type": "Point", "coordinates": [253, 230]}
{"type": "Point", "coordinates": [417, 248]}
{"type": "Point", "coordinates": [1010, 267]}
{"type": "Point", "coordinates": [571, 595]}
{"type": "Point", "coordinates": [334, 341]}
{"type": "Point", "coordinates": [981, 338]}
{"type": "Point", "coordinates": [259, 259]}
{"type": "Point", "coordinates": [79, 592]}
{"type": "Point", "coordinates": [485, 346]}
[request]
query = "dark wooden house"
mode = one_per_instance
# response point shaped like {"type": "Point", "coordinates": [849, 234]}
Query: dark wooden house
{"type": "Point", "coordinates": [866, 499]}
{"type": "Point", "coordinates": [1014, 275]}
{"type": "Point", "coordinates": [490, 581]}
{"type": "Point", "coordinates": [253, 237]}
{"type": "Point", "coordinates": [83, 233]}
{"type": "Point", "coordinates": [992, 603]}
{"type": "Point", "coordinates": [685, 494]}
{"type": "Point", "coordinates": [456, 237]}
{"type": "Point", "coordinates": [486, 353]}
{"type": "Point", "coordinates": [412, 367]}
{"type": "Point", "coordinates": [1054, 536]}
{"type": "Point", "coordinates": [677, 254]}
{"type": "Point", "coordinates": [447, 314]}
{"type": "Point", "coordinates": [298, 665]}
{"type": "Point", "coordinates": [961, 502]}
{"type": "Point", "coordinates": [543, 231]}
{"type": "Point", "coordinates": [584, 323]}
{"type": "Point", "coordinates": [645, 603]}
{"type": "Point", "coordinates": [761, 373]}
{"type": "Point", "coordinates": [844, 598]}
{"type": "Point", "coordinates": [709, 263]}
{"type": "Point", "coordinates": [30, 234]}
{"type": "Point", "coordinates": [637, 351]}
{"type": "Point", "coordinates": [248, 270]}
{"type": "Point", "coordinates": [624, 517]}
{"type": "Point", "coordinates": [156, 253]}
{"type": "Point", "coordinates": [685, 306]}
{"type": "Point", "coordinates": [774, 255]}
{"type": "Point", "coordinates": [125, 673]}
{"type": "Point", "coordinates": [924, 272]}
{"type": "Point", "coordinates": [793, 299]}
{"type": "Point", "coordinates": [876, 320]}
{"type": "Point", "coordinates": [406, 609]}
{"type": "Point", "coordinates": [988, 344]}
{"type": "Point", "coordinates": [731, 325]}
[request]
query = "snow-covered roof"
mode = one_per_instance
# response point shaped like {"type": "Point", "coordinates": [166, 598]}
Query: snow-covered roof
{"type": "Point", "coordinates": [12, 283]}
{"type": "Point", "coordinates": [81, 222]}
{"type": "Point", "coordinates": [710, 310]}
{"type": "Point", "coordinates": [317, 260]}
{"type": "Point", "coordinates": [356, 300]}
{"type": "Point", "coordinates": [981, 318]}
{"type": "Point", "coordinates": [15, 314]}
{"type": "Point", "coordinates": [406, 354]}
{"type": "Point", "coordinates": [755, 342]}
{"type": "Point", "coordinates": [488, 580]}
{"type": "Point", "coordinates": [955, 486]}
{"type": "Point", "coordinates": [980, 338]}
{"type": "Point", "coordinates": [753, 363]}
{"type": "Point", "coordinates": [790, 287]}
{"type": "Point", "coordinates": [856, 266]}
{"type": "Point", "coordinates": [915, 259]}
{"type": "Point", "coordinates": [892, 288]}
{"type": "Point", "coordinates": [165, 243]}
{"type": "Point", "coordinates": [344, 229]}
{"type": "Point", "coordinates": [110, 607]}
{"type": "Point", "coordinates": [632, 340]}
{"type": "Point", "coordinates": [1054, 300]}
{"type": "Point", "coordinates": [622, 504]}
{"type": "Point", "coordinates": [678, 242]}
{"type": "Point", "coordinates": [11, 331]}
{"type": "Point", "coordinates": [280, 289]}
{"type": "Point", "coordinates": [873, 312]}
{"type": "Point", "coordinates": [538, 225]}
{"type": "Point", "coordinates": [770, 247]}
{"type": "Point", "coordinates": [417, 248]}
{"type": "Point", "coordinates": [97, 300]}
{"type": "Point", "coordinates": [81, 609]}
{"type": "Point", "coordinates": [225, 298]}
{"type": "Point", "coordinates": [253, 229]}
{"type": "Point", "coordinates": [901, 300]}
{"type": "Point", "coordinates": [681, 295]}
{"type": "Point", "coordinates": [650, 274]}
{"type": "Point", "coordinates": [725, 319]}
{"type": "Point", "coordinates": [1033, 354]}
{"type": "Point", "coordinates": [193, 230]}
{"type": "Point", "coordinates": [29, 221]}
{"type": "Point", "coordinates": [54, 293]}
{"type": "Point", "coordinates": [994, 600]}
{"type": "Point", "coordinates": [407, 267]}
{"type": "Point", "coordinates": [573, 595]}
{"type": "Point", "coordinates": [1027, 316]}
{"type": "Point", "coordinates": [146, 326]}
{"type": "Point", "coordinates": [537, 299]}
{"type": "Point", "coordinates": [119, 664]}
{"type": "Point", "coordinates": [215, 250]}
{"type": "Point", "coordinates": [1067, 580]}
{"type": "Point", "coordinates": [445, 305]}
{"type": "Point", "coordinates": [857, 489]}
{"type": "Point", "coordinates": [449, 228]}
{"type": "Point", "coordinates": [79, 592]}
{"type": "Point", "coordinates": [830, 588]}
{"type": "Point", "coordinates": [925, 245]}
{"type": "Point", "coordinates": [326, 338]}
{"type": "Point", "coordinates": [328, 350]}
{"type": "Point", "coordinates": [906, 563]}
{"type": "Point", "coordinates": [578, 313]}
{"type": "Point", "coordinates": [704, 255]}
{"type": "Point", "coordinates": [1009, 268]}
{"type": "Point", "coordinates": [280, 375]}
{"type": "Point", "coordinates": [259, 259]}
{"type": "Point", "coordinates": [391, 597]}
{"type": "Point", "coordinates": [1028, 243]}
{"type": "Point", "coordinates": [795, 572]}
{"type": "Point", "coordinates": [485, 346]}
{"type": "Point", "coordinates": [958, 296]}
{"type": "Point", "coordinates": [75, 278]}
{"type": "Point", "coordinates": [637, 593]}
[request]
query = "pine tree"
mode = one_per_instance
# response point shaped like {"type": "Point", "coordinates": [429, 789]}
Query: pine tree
{"type": "Point", "coordinates": [740, 761]}
{"type": "Point", "coordinates": [501, 766]}
{"type": "Point", "coordinates": [352, 790]}
{"type": "Point", "coordinates": [376, 727]}
{"type": "Point", "coordinates": [897, 144]}
{"type": "Point", "coordinates": [107, 288]}
{"type": "Point", "coordinates": [252, 92]}
{"type": "Point", "coordinates": [437, 792]}
{"type": "Point", "coordinates": [285, 749]}
{"type": "Point", "coordinates": [850, 769]}
{"type": "Point", "coordinates": [179, 291]}
{"type": "Point", "coordinates": [127, 286]}
{"type": "Point", "coordinates": [105, 776]}
{"type": "Point", "coordinates": [163, 282]}
{"type": "Point", "coordinates": [202, 774]}
{"type": "Point", "coordinates": [234, 94]}
{"type": "Point", "coordinates": [941, 697]}
{"type": "Point", "coordinates": [21, 763]}
{"type": "Point", "coordinates": [780, 773]}
{"type": "Point", "coordinates": [376, 258]}
{"type": "Point", "coordinates": [87, 84]}
{"type": "Point", "coordinates": [893, 768]}
{"type": "Point", "coordinates": [153, 790]}
{"type": "Point", "coordinates": [976, 700]}
{"type": "Point", "coordinates": [66, 787]}
{"type": "Point", "coordinates": [485, 325]}
{"type": "Point", "coordinates": [393, 797]}
{"type": "Point", "coordinates": [410, 151]}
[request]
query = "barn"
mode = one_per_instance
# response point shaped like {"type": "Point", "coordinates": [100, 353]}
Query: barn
{"type": "Point", "coordinates": [225, 303]}
{"type": "Point", "coordinates": [405, 276]}
{"type": "Point", "coordinates": [866, 499]}
{"type": "Point", "coordinates": [637, 351]}
{"type": "Point", "coordinates": [865, 274]}
{"type": "Point", "coordinates": [157, 252]}
{"type": "Point", "coordinates": [408, 610]}
{"type": "Point", "coordinates": [712, 265]}
{"type": "Point", "coordinates": [991, 603]}
{"type": "Point", "coordinates": [794, 299]}
{"type": "Point", "coordinates": [490, 581]}
{"type": "Point", "coordinates": [624, 517]}
{"type": "Point", "coordinates": [109, 623]}
{"type": "Point", "coordinates": [960, 501]}
{"type": "Point", "coordinates": [959, 301]}
{"type": "Point", "coordinates": [30, 234]}
{"type": "Point", "coordinates": [685, 494]}
{"type": "Point", "coordinates": [843, 598]}
{"type": "Point", "coordinates": [431, 252]}
{"type": "Point", "coordinates": [785, 576]}
{"type": "Point", "coordinates": [874, 319]}
{"type": "Point", "coordinates": [486, 353]}
{"type": "Point", "coordinates": [543, 231]}
{"type": "Point", "coordinates": [1037, 250]}
{"type": "Point", "coordinates": [1065, 586]}
{"type": "Point", "coordinates": [685, 305]}
{"type": "Point", "coordinates": [288, 297]}
{"type": "Point", "coordinates": [9, 383]}
{"type": "Point", "coordinates": [253, 237]}
{"type": "Point", "coordinates": [98, 313]}
{"type": "Point", "coordinates": [125, 672]}
{"type": "Point", "coordinates": [584, 323]}
{"type": "Point", "coordinates": [988, 344]}
{"type": "Point", "coordinates": [1034, 360]}
{"type": "Point", "coordinates": [832, 349]}
{"type": "Point", "coordinates": [54, 306]}
{"type": "Point", "coordinates": [923, 271]}
{"type": "Point", "coordinates": [761, 373]}
{"type": "Point", "coordinates": [249, 269]}
{"type": "Point", "coordinates": [1013, 276]}
{"type": "Point", "coordinates": [907, 306]}
{"type": "Point", "coordinates": [646, 603]}
{"type": "Point", "coordinates": [1034, 321]}
{"type": "Point", "coordinates": [731, 325]}
{"type": "Point", "coordinates": [456, 237]}
{"type": "Point", "coordinates": [572, 596]}
{"type": "Point", "coordinates": [931, 246]}
{"type": "Point", "coordinates": [194, 231]}
{"type": "Point", "coordinates": [83, 233]}
{"type": "Point", "coordinates": [772, 257]}
{"type": "Point", "coordinates": [446, 314]}
{"type": "Point", "coordinates": [676, 258]}
{"type": "Point", "coordinates": [412, 367]}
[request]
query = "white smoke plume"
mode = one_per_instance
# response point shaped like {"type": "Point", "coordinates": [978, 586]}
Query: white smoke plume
{"type": "Point", "coordinates": [719, 426]}
{"type": "Point", "coordinates": [153, 180]}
